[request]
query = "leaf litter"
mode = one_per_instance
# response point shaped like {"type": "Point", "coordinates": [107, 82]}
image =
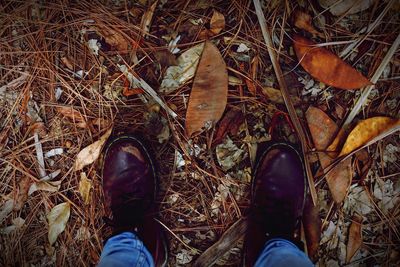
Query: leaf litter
{"type": "Point", "coordinates": [109, 69]}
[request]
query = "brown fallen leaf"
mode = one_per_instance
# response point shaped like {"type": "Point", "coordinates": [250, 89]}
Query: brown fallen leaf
{"type": "Point", "coordinates": [67, 62]}
{"type": "Point", "coordinates": [115, 39]}
{"type": "Point", "coordinates": [302, 20]}
{"type": "Point", "coordinates": [147, 18]}
{"type": "Point", "coordinates": [322, 127]}
{"type": "Point", "coordinates": [90, 153]}
{"type": "Point", "coordinates": [22, 193]}
{"type": "Point", "coordinates": [322, 130]}
{"type": "Point", "coordinates": [217, 22]}
{"type": "Point", "coordinates": [355, 237]}
{"type": "Point", "coordinates": [327, 67]}
{"type": "Point", "coordinates": [339, 178]}
{"type": "Point", "coordinates": [230, 123]}
{"type": "Point", "coordinates": [312, 228]}
{"type": "Point", "coordinates": [275, 95]}
{"type": "Point", "coordinates": [73, 115]}
{"type": "Point", "coordinates": [209, 92]}
{"type": "Point", "coordinates": [57, 219]}
{"type": "Point", "coordinates": [85, 185]}
{"type": "Point", "coordinates": [365, 131]}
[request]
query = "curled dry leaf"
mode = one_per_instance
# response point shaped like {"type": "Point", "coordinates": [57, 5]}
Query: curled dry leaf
{"type": "Point", "coordinates": [209, 92]}
{"type": "Point", "coordinates": [57, 219]}
{"type": "Point", "coordinates": [217, 22]}
{"type": "Point", "coordinates": [302, 20]}
{"type": "Point", "coordinates": [22, 193]}
{"type": "Point", "coordinates": [85, 185]}
{"type": "Point", "coordinates": [341, 7]}
{"type": "Point", "coordinates": [176, 76]}
{"type": "Point", "coordinates": [73, 115]}
{"type": "Point", "coordinates": [322, 130]}
{"type": "Point", "coordinates": [355, 237]}
{"type": "Point", "coordinates": [148, 17]}
{"type": "Point", "coordinates": [275, 95]}
{"type": "Point", "coordinates": [230, 123]}
{"type": "Point", "coordinates": [90, 153]}
{"type": "Point", "coordinates": [115, 39]}
{"type": "Point", "coordinates": [44, 186]}
{"type": "Point", "coordinates": [365, 131]}
{"type": "Point", "coordinates": [327, 67]}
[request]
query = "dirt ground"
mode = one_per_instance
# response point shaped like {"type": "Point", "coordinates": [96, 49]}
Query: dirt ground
{"type": "Point", "coordinates": [72, 70]}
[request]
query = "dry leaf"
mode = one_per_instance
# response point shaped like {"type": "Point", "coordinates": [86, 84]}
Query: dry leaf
{"type": "Point", "coordinates": [44, 186]}
{"type": "Point", "coordinates": [217, 22]}
{"type": "Point", "coordinates": [209, 92]}
{"type": "Point", "coordinates": [322, 130]}
{"type": "Point", "coordinates": [147, 18]}
{"type": "Point", "coordinates": [322, 127]}
{"type": "Point", "coordinates": [85, 185]}
{"type": "Point", "coordinates": [230, 123]}
{"type": "Point", "coordinates": [339, 178]}
{"type": "Point", "coordinates": [355, 237]}
{"type": "Point", "coordinates": [57, 219]}
{"type": "Point", "coordinates": [115, 39]}
{"type": "Point", "coordinates": [312, 227]}
{"type": "Point", "coordinates": [302, 20]}
{"type": "Point", "coordinates": [341, 7]}
{"type": "Point", "coordinates": [275, 95]}
{"type": "Point", "coordinates": [67, 62]}
{"type": "Point", "coordinates": [327, 67]}
{"type": "Point", "coordinates": [365, 131]}
{"type": "Point", "coordinates": [74, 115]}
{"type": "Point", "coordinates": [90, 153]}
{"type": "Point", "coordinates": [22, 193]}
{"type": "Point", "coordinates": [176, 76]}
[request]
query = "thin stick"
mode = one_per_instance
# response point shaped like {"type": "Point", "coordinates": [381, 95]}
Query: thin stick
{"type": "Point", "coordinates": [365, 93]}
{"type": "Point", "coordinates": [286, 97]}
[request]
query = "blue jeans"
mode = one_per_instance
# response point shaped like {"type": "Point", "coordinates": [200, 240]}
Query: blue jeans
{"type": "Point", "coordinates": [126, 249]}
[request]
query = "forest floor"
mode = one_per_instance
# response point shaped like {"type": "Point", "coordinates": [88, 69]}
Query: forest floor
{"type": "Point", "coordinates": [70, 71]}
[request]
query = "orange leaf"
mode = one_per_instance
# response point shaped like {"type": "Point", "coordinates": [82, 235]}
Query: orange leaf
{"type": "Point", "coordinates": [209, 92]}
{"type": "Point", "coordinates": [230, 123]}
{"type": "Point", "coordinates": [322, 130]}
{"type": "Point", "coordinates": [365, 131]}
{"type": "Point", "coordinates": [327, 67]}
{"type": "Point", "coordinates": [355, 238]}
{"type": "Point", "coordinates": [321, 127]}
{"type": "Point", "coordinates": [115, 38]}
{"type": "Point", "coordinates": [302, 20]}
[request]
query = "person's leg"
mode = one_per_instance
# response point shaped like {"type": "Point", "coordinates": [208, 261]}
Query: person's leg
{"type": "Point", "coordinates": [278, 193]}
{"type": "Point", "coordinates": [280, 252]}
{"type": "Point", "coordinates": [125, 249]}
{"type": "Point", "coordinates": [130, 189]}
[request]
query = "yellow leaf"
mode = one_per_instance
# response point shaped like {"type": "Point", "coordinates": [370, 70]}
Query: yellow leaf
{"type": "Point", "coordinates": [217, 23]}
{"type": "Point", "coordinates": [57, 219]}
{"type": "Point", "coordinates": [365, 131]}
{"type": "Point", "coordinates": [85, 185]}
{"type": "Point", "coordinates": [209, 92]}
{"type": "Point", "coordinates": [90, 153]}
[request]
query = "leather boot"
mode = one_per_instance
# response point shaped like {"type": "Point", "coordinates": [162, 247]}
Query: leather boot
{"type": "Point", "coordinates": [130, 188]}
{"type": "Point", "coordinates": [278, 194]}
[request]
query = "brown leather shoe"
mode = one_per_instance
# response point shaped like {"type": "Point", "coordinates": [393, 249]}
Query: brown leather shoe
{"type": "Point", "coordinates": [278, 194]}
{"type": "Point", "coordinates": [130, 189]}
